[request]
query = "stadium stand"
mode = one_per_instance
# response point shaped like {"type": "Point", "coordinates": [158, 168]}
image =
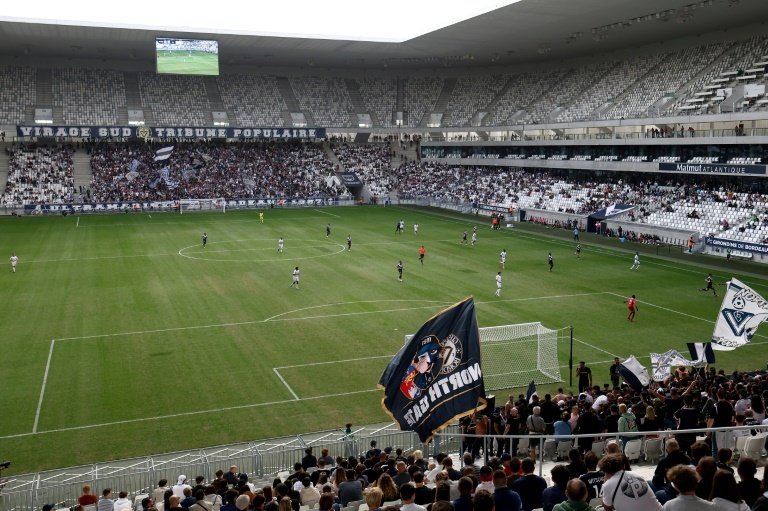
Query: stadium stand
{"type": "Point", "coordinates": [38, 175]}
{"type": "Point", "coordinates": [327, 99]}
{"type": "Point", "coordinates": [521, 91]}
{"type": "Point", "coordinates": [470, 95]}
{"type": "Point", "coordinates": [371, 163]}
{"type": "Point", "coordinates": [17, 93]}
{"type": "Point", "coordinates": [420, 96]}
{"type": "Point", "coordinates": [175, 100]}
{"type": "Point", "coordinates": [255, 100]}
{"type": "Point", "coordinates": [88, 96]}
{"type": "Point", "coordinates": [380, 98]}
{"type": "Point", "coordinates": [206, 170]}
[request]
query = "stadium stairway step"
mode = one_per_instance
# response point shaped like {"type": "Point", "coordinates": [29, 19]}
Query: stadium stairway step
{"type": "Point", "coordinates": [44, 88]}
{"type": "Point", "coordinates": [3, 166]}
{"type": "Point", "coordinates": [442, 100]}
{"type": "Point", "coordinates": [284, 86]}
{"type": "Point", "coordinates": [132, 94]}
{"type": "Point", "coordinates": [354, 95]}
{"type": "Point", "coordinates": [332, 156]}
{"type": "Point", "coordinates": [82, 171]}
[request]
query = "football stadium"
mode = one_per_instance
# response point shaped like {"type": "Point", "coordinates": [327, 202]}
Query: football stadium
{"type": "Point", "coordinates": [490, 257]}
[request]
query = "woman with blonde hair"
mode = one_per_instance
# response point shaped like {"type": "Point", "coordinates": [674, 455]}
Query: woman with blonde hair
{"type": "Point", "coordinates": [388, 489]}
{"type": "Point", "coordinates": [373, 497]}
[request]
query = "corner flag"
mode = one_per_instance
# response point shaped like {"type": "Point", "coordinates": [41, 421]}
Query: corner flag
{"type": "Point", "coordinates": [436, 378]}
{"type": "Point", "coordinates": [740, 314]}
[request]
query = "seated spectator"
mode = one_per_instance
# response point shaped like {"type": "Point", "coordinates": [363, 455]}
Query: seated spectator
{"type": "Point", "coordinates": [706, 470]}
{"type": "Point", "coordinates": [749, 485]}
{"type": "Point", "coordinates": [351, 489]}
{"type": "Point", "coordinates": [484, 501]}
{"type": "Point", "coordinates": [387, 486]}
{"type": "Point", "coordinates": [530, 486]}
{"type": "Point", "coordinates": [555, 494]}
{"type": "Point", "coordinates": [684, 479]}
{"type": "Point", "coordinates": [464, 502]}
{"type": "Point", "coordinates": [123, 503]}
{"type": "Point", "coordinates": [577, 493]}
{"type": "Point", "coordinates": [576, 467]}
{"type": "Point", "coordinates": [88, 498]}
{"type": "Point", "coordinates": [725, 493]}
{"type": "Point", "coordinates": [593, 479]}
{"type": "Point", "coordinates": [674, 457]}
{"type": "Point", "coordinates": [308, 494]}
{"type": "Point", "coordinates": [424, 494]}
{"type": "Point", "coordinates": [408, 497]}
{"type": "Point", "coordinates": [504, 497]}
{"type": "Point", "coordinates": [640, 499]}
{"type": "Point", "coordinates": [373, 497]}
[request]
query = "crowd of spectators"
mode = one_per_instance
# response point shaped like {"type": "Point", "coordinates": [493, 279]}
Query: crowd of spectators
{"type": "Point", "coordinates": [125, 172]}
{"type": "Point", "coordinates": [38, 175]}
{"type": "Point", "coordinates": [371, 163]}
{"type": "Point", "coordinates": [690, 472]}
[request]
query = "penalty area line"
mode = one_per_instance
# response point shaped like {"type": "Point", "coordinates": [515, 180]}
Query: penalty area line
{"type": "Point", "coordinates": [280, 376]}
{"type": "Point", "coordinates": [325, 212]}
{"type": "Point", "coordinates": [42, 387]}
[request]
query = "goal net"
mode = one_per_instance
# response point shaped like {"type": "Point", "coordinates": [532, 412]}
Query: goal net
{"type": "Point", "coordinates": [515, 355]}
{"type": "Point", "coordinates": [190, 205]}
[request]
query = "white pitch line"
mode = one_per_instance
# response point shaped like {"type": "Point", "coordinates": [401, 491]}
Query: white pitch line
{"type": "Point", "coordinates": [78, 222]}
{"type": "Point", "coordinates": [321, 316]}
{"type": "Point", "coordinates": [280, 376]}
{"type": "Point", "coordinates": [187, 414]}
{"type": "Point", "coordinates": [325, 212]}
{"type": "Point", "coordinates": [333, 362]}
{"type": "Point", "coordinates": [42, 387]}
{"type": "Point", "coordinates": [595, 347]}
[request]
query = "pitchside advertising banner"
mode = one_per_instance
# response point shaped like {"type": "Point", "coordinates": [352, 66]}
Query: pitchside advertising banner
{"type": "Point", "coordinates": [745, 246]}
{"type": "Point", "coordinates": [713, 168]}
{"type": "Point", "coordinates": [147, 132]}
{"type": "Point", "coordinates": [96, 207]}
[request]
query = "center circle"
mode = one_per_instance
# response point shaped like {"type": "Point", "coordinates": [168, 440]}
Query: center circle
{"type": "Point", "coordinates": [313, 249]}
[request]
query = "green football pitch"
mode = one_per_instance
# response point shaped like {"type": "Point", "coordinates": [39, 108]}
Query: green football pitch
{"type": "Point", "coordinates": [123, 336]}
{"type": "Point", "coordinates": [187, 62]}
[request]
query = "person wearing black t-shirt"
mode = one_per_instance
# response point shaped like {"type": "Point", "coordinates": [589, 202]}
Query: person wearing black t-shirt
{"type": "Point", "coordinates": [584, 374]}
{"type": "Point", "coordinates": [721, 416]}
{"type": "Point", "coordinates": [687, 417]}
{"type": "Point", "coordinates": [614, 372]}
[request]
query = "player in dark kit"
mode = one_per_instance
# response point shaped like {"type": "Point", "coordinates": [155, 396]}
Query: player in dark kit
{"type": "Point", "coordinates": [551, 261]}
{"type": "Point", "coordinates": [709, 285]}
{"type": "Point", "coordinates": [399, 271]}
{"type": "Point", "coordinates": [349, 242]}
{"type": "Point", "coordinates": [328, 230]}
{"type": "Point", "coordinates": [205, 239]}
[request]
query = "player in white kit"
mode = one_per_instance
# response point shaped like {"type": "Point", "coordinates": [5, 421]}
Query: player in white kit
{"type": "Point", "coordinates": [14, 261]}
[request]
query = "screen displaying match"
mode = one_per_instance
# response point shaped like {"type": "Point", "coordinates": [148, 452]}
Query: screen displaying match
{"type": "Point", "coordinates": [187, 56]}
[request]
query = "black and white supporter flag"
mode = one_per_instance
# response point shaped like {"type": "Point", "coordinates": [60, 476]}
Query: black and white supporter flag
{"type": "Point", "coordinates": [436, 378]}
{"type": "Point", "coordinates": [164, 153]}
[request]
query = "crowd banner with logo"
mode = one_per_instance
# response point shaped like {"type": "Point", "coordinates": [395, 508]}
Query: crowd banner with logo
{"type": "Point", "coordinates": [436, 378]}
{"type": "Point", "coordinates": [662, 363]}
{"type": "Point", "coordinates": [164, 132]}
{"type": "Point", "coordinates": [350, 180]}
{"type": "Point", "coordinates": [740, 314]}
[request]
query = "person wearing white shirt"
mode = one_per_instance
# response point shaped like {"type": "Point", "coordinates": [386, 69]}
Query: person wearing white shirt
{"type": "Point", "coordinates": [14, 262]}
{"type": "Point", "coordinates": [181, 484]}
{"type": "Point", "coordinates": [123, 503]}
{"type": "Point", "coordinates": [627, 491]}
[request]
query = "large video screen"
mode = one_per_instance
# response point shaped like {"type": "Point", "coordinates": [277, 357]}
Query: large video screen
{"type": "Point", "coordinates": [187, 56]}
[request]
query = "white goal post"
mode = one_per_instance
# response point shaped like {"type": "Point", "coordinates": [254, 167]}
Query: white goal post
{"type": "Point", "coordinates": [189, 205]}
{"type": "Point", "coordinates": [515, 355]}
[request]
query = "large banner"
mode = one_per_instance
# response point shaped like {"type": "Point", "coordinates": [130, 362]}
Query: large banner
{"type": "Point", "coordinates": [147, 132]}
{"type": "Point", "coordinates": [350, 180]}
{"type": "Point", "coordinates": [436, 377]}
{"type": "Point", "coordinates": [168, 205]}
{"type": "Point", "coordinates": [741, 312]}
{"type": "Point", "coordinates": [713, 168]}
{"type": "Point", "coordinates": [745, 246]}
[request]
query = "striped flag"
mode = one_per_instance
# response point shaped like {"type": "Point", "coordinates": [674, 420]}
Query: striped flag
{"type": "Point", "coordinates": [531, 392]}
{"type": "Point", "coordinates": [164, 153]}
{"type": "Point", "coordinates": [701, 352]}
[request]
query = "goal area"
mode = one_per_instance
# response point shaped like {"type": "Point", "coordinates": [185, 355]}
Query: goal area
{"type": "Point", "coordinates": [515, 355]}
{"type": "Point", "coordinates": [192, 205]}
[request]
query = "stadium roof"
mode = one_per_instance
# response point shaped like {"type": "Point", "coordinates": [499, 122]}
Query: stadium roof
{"type": "Point", "coordinates": [526, 31]}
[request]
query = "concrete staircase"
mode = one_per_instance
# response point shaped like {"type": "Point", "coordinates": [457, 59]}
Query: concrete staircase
{"type": "Point", "coordinates": [214, 99]}
{"type": "Point", "coordinates": [491, 107]}
{"type": "Point", "coordinates": [82, 171]}
{"type": "Point", "coordinates": [441, 105]}
{"type": "Point", "coordinates": [133, 98]}
{"type": "Point", "coordinates": [357, 100]}
{"type": "Point", "coordinates": [44, 94]}
{"type": "Point", "coordinates": [332, 156]}
{"type": "Point", "coordinates": [3, 167]}
{"type": "Point", "coordinates": [410, 153]}
{"type": "Point", "coordinates": [284, 86]}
